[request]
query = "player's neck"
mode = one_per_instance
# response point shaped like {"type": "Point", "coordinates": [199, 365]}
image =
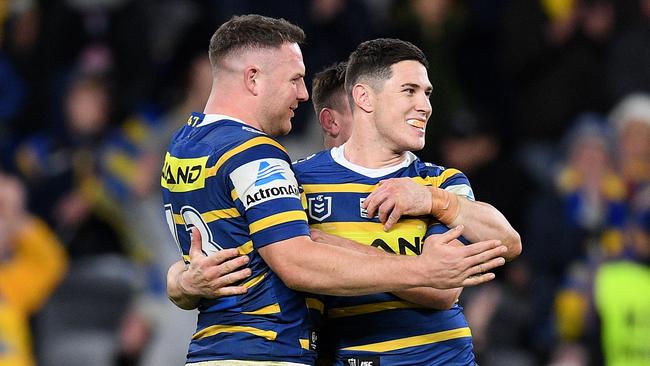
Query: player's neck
{"type": "Point", "coordinates": [371, 153]}
{"type": "Point", "coordinates": [223, 103]}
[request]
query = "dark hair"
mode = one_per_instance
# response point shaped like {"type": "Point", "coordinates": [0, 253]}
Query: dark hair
{"type": "Point", "coordinates": [326, 85]}
{"type": "Point", "coordinates": [373, 60]}
{"type": "Point", "coordinates": [252, 31]}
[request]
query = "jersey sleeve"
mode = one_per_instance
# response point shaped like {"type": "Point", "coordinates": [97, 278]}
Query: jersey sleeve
{"type": "Point", "coordinates": [266, 190]}
{"type": "Point", "coordinates": [454, 181]}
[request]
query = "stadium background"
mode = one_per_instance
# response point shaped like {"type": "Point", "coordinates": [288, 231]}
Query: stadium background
{"type": "Point", "coordinates": [529, 102]}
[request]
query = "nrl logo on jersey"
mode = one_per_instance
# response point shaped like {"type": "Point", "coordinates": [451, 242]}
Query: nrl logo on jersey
{"type": "Point", "coordinates": [320, 207]}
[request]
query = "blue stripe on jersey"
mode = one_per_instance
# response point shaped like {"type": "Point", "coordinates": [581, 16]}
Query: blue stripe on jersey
{"type": "Point", "coordinates": [383, 325]}
{"type": "Point", "coordinates": [205, 165]}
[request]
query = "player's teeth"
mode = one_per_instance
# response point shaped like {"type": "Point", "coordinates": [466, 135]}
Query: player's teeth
{"type": "Point", "coordinates": [416, 123]}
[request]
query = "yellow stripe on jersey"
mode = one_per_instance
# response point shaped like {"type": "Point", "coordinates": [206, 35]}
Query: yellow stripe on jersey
{"type": "Point", "coordinates": [315, 304]}
{"type": "Point", "coordinates": [255, 280]}
{"type": "Point", "coordinates": [261, 140]}
{"type": "Point", "coordinates": [351, 187]}
{"type": "Point", "coordinates": [420, 340]}
{"type": "Point", "coordinates": [370, 308]}
{"type": "Point", "coordinates": [216, 329]}
{"type": "Point", "coordinates": [303, 201]}
{"type": "Point", "coordinates": [245, 248]}
{"type": "Point", "coordinates": [271, 309]}
{"type": "Point", "coordinates": [226, 213]}
{"type": "Point", "coordinates": [347, 187]}
{"type": "Point", "coordinates": [404, 237]}
{"type": "Point", "coordinates": [304, 343]}
{"type": "Point", "coordinates": [278, 218]}
{"type": "Point", "coordinates": [446, 174]}
{"type": "Point", "coordinates": [210, 216]}
{"type": "Point", "coordinates": [233, 195]}
{"type": "Point", "coordinates": [183, 175]}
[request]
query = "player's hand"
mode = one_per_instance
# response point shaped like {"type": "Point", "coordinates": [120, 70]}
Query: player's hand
{"type": "Point", "coordinates": [452, 266]}
{"type": "Point", "coordinates": [396, 197]}
{"type": "Point", "coordinates": [211, 276]}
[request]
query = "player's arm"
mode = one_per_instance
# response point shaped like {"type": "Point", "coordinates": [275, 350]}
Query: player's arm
{"type": "Point", "coordinates": [205, 276]}
{"type": "Point", "coordinates": [402, 196]}
{"type": "Point", "coordinates": [426, 296]}
{"type": "Point", "coordinates": [332, 270]}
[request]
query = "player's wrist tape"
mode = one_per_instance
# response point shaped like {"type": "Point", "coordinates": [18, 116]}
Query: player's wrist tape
{"type": "Point", "coordinates": [445, 206]}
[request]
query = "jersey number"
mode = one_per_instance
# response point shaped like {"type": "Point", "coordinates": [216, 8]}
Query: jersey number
{"type": "Point", "coordinates": [191, 218]}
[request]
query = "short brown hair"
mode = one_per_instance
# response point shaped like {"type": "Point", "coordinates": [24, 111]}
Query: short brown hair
{"type": "Point", "coordinates": [252, 31]}
{"type": "Point", "coordinates": [326, 85]}
{"type": "Point", "coordinates": [373, 60]}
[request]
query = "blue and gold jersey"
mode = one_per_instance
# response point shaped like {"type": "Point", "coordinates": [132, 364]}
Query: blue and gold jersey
{"type": "Point", "coordinates": [382, 329]}
{"type": "Point", "coordinates": [236, 185]}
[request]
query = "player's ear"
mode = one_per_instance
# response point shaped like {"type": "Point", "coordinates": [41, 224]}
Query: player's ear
{"type": "Point", "coordinates": [328, 122]}
{"type": "Point", "coordinates": [251, 73]}
{"type": "Point", "coordinates": [361, 94]}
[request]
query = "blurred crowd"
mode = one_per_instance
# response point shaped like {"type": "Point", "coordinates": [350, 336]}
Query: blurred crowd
{"type": "Point", "coordinates": [543, 104]}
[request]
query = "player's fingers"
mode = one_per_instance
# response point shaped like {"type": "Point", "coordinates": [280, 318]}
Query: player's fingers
{"type": "Point", "coordinates": [385, 210]}
{"type": "Point", "coordinates": [232, 277]}
{"type": "Point", "coordinates": [233, 264]}
{"type": "Point", "coordinates": [478, 279]}
{"type": "Point", "coordinates": [485, 266]}
{"type": "Point", "coordinates": [483, 246]}
{"type": "Point", "coordinates": [393, 217]}
{"type": "Point", "coordinates": [372, 205]}
{"type": "Point", "coordinates": [230, 291]}
{"type": "Point", "coordinates": [195, 244]}
{"type": "Point", "coordinates": [484, 257]}
{"type": "Point", "coordinates": [446, 237]}
{"type": "Point", "coordinates": [222, 256]}
{"type": "Point", "coordinates": [375, 199]}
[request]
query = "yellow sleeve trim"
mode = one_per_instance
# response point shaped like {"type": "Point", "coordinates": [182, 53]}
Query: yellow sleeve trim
{"type": "Point", "coordinates": [370, 308]}
{"type": "Point", "coordinates": [420, 340]}
{"type": "Point", "coordinates": [261, 140]}
{"type": "Point", "coordinates": [279, 218]}
{"type": "Point", "coordinates": [446, 174]}
{"type": "Point", "coordinates": [216, 329]}
{"type": "Point", "coordinates": [271, 309]}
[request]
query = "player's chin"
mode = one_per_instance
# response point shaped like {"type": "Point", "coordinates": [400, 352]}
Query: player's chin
{"type": "Point", "coordinates": [285, 127]}
{"type": "Point", "coordinates": [416, 145]}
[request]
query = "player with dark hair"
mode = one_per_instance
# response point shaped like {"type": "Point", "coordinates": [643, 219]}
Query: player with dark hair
{"type": "Point", "coordinates": [231, 184]}
{"type": "Point", "coordinates": [388, 85]}
{"type": "Point", "coordinates": [331, 105]}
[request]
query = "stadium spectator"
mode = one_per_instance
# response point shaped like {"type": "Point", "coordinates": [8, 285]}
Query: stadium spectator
{"type": "Point", "coordinates": [32, 263]}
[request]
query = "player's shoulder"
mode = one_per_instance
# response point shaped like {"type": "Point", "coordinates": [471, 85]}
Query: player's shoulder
{"type": "Point", "coordinates": [313, 162]}
{"type": "Point", "coordinates": [427, 169]}
{"type": "Point", "coordinates": [226, 135]}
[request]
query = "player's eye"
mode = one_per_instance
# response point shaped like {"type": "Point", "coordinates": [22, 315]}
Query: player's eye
{"type": "Point", "coordinates": [410, 91]}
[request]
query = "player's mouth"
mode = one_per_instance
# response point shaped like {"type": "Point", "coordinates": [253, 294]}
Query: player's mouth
{"type": "Point", "coordinates": [417, 123]}
{"type": "Point", "coordinates": [292, 109]}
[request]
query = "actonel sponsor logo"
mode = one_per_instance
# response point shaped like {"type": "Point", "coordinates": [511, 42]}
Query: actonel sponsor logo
{"type": "Point", "coordinates": [264, 193]}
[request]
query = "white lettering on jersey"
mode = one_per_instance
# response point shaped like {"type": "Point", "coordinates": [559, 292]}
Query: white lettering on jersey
{"type": "Point", "coordinates": [264, 180]}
